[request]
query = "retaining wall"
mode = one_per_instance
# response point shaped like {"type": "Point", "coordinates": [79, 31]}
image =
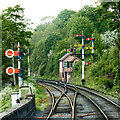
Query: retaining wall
{"type": "Point", "coordinates": [22, 111]}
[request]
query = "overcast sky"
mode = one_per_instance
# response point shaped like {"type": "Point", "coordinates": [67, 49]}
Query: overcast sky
{"type": "Point", "coordinates": [37, 9]}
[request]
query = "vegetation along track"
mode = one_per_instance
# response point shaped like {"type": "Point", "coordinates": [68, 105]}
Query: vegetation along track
{"type": "Point", "coordinates": [101, 107]}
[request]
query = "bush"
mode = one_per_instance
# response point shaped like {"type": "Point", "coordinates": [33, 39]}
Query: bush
{"type": "Point", "coordinates": [5, 98]}
{"type": "Point", "coordinates": [108, 83]}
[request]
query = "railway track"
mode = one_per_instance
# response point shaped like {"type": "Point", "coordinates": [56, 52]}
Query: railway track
{"type": "Point", "coordinates": [52, 103]}
{"type": "Point", "coordinates": [84, 104]}
{"type": "Point", "coordinates": [108, 108]}
{"type": "Point", "coordinates": [55, 104]}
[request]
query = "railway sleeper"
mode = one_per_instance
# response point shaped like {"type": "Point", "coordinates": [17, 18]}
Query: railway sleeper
{"type": "Point", "coordinates": [62, 109]}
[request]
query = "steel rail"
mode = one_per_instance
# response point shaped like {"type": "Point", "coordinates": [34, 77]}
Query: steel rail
{"type": "Point", "coordinates": [100, 96]}
{"type": "Point", "coordinates": [74, 100]}
{"type": "Point", "coordinates": [57, 101]}
{"type": "Point", "coordinates": [85, 89]}
{"type": "Point", "coordinates": [74, 104]}
{"type": "Point", "coordinates": [70, 102]}
{"type": "Point", "coordinates": [52, 104]}
{"type": "Point", "coordinates": [60, 82]}
{"type": "Point", "coordinates": [97, 106]}
{"type": "Point", "coordinates": [90, 99]}
{"type": "Point", "coordinates": [93, 101]}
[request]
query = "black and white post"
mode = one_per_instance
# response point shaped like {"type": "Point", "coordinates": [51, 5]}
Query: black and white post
{"type": "Point", "coordinates": [28, 63]}
{"type": "Point", "coordinates": [83, 62]}
{"type": "Point", "coordinates": [19, 78]}
{"type": "Point", "coordinates": [92, 44]}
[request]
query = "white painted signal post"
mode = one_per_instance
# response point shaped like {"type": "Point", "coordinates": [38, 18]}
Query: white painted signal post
{"type": "Point", "coordinates": [19, 78]}
{"type": "Point", "coordinates": [28, 63]}
{"type": "Point", "coordinates": [92, 44]}
{"type": "Point", "coordinates": [83, 62]}
{"type": "Point", "coordinates": [10, 70]}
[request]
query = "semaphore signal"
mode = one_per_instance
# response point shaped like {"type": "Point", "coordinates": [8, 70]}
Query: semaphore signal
{"type": "Point", "coordinates": [79, 45]}
{"type": "Point", "coordinates": [87, 63]}
{"type": "Point", "coordinates": [11, 71]}
{"type": "Point", "coordinates": [92, 39]}
{"type": "Point", "coordinates": [79, 35]}
{"type": "Point", "coordinates": [69, 50]}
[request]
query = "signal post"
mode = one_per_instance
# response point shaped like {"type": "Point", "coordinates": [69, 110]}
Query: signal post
{"type": "Point", "coordinates": [19, 77]}
{"type": "Point", "coordinates": [10, 71]}
{"type": "Point", "coordinates": [83, 62]}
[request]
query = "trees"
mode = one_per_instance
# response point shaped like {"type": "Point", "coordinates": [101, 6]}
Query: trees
{"type": "Point", "coordinates": [99, 43]}
{"type": "Point", "coordinates": [111, 10]}
{"type": "Point", "coordinates": [14, 26]}
{"type": "Point", "coordinates": [14, 29]}
{"type": "Point", "coordinates": [62, 17]}
{"type": "Point", "coordinates": [47, 19]}
{"type": "Point", "coordinates": [76, 25]}
{"type": "Point", "coordinates": [50, 42]}
{"type": "Point", "coordinates": [109, 37]}
{"type": "Point", "coordinates": [91, 14]}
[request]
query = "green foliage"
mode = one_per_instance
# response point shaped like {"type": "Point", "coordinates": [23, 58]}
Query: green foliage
{"type": "Point", "coordinates": [5, 98]}
{"type": "Point", "coordinates": [14, 26]}
{"type": "Point", "coordinates": [42, 70]}
{"type": "Point", "coordinates": [90, 13]}
{"type": "Point", "coordinates": [77, 68]}
{"type": "Point", "coordinates": [99, 43]}
{"type": "Point", "coordinates": [50, 40]}
{"type": "Point", "coordinates": [76, 25]}
{"type": "Point", "coordinates": [109, 37]}
{"type": "Point", "coordinates": [40, 94]}
{"type": "Point", "coordinates": [60, 45]}
{"type": "Point", "coordinates": [14, 29]}
{"type": "Point", "coordinates": [62, 17]}
{"type": "Point", "coordinates": [108, 83]}
{"type": "Point", "coordinates": [105, 69]}
{"type": "Point", "coordinates": [110, 10]}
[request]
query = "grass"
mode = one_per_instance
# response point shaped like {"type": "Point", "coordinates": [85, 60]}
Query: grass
{"type": "Point", "coordinates": [97, 85]}
{"type": "Point", "coordinates": [40, 95]}
{"type": "Point", "coordinates": [5, 98]}
{"type": "Point", "coordinates": [41, 98]}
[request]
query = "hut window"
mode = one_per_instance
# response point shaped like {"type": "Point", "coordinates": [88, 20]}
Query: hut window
{"type": "Point", "coordinates": [70, 64]}
{"type": "Point", "coordinates": [65, 64]}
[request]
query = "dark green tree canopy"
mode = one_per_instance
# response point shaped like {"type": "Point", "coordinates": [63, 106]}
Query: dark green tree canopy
{"type": "Point", "coordinates": [62, 17]}
{"type": "Point", "coordinates": [14, 29]}
{"type": "Point", "coordinates": [91, 14]}
{"type": "Point", "coordinates": [50, 42]}
{"type": "Point", "coordinates": [111, 10]}
{"type": "Point", "coordinates": [76, 25]}
{"type": "Point", "coordinates": [14, 25]}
